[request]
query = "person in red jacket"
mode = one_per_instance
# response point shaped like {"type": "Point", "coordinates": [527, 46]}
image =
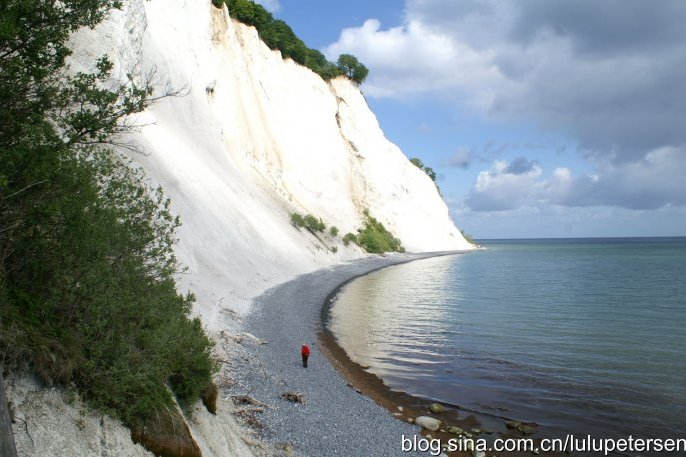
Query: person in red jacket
{"type": "Point", "coordinates": [305, 352]}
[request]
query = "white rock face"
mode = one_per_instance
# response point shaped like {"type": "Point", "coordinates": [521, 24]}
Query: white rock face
{"type": "Point", "coordinates": [256, 138]}
{"type": "Point", "coordinates": [47, 425]}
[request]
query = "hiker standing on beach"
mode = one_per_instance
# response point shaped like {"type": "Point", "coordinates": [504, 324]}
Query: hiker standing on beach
{"type": "Point", "coordinates": [305, 352]}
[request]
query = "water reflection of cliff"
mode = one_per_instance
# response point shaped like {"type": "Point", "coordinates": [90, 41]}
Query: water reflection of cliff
{"type": "Point", "coordinates": [383, 319]}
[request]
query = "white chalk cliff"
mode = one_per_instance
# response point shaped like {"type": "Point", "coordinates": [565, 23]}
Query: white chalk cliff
{"type": "Point", "coordinates": [255, 138]}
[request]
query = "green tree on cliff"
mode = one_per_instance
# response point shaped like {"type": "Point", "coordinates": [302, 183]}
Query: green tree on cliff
{"type": "Point", "coordinates": [352, 68]}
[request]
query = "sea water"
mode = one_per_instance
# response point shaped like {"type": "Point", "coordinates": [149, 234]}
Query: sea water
{"type": "Point", "coordinates": [581, 335]}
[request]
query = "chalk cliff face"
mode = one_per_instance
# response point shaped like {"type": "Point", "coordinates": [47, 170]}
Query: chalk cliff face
{"type": "Point", "coordinates": [253, 138]}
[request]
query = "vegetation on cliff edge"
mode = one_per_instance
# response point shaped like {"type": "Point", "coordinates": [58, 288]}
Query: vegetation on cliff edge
{"type": "Point", "coordinates": [278, 35]}
{"type": "Point", "coordinates": [87, 291]}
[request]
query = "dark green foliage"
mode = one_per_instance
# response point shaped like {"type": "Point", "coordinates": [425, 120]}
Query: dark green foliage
{"type": "Point", "coordinates": [278, 35]}
{"type": "Point", "coordinates": [428, 170]}
{"type": "Point", "coordinates": [352, 68]}
{"type": "Point", "coordinates": [374, 237]}
{"type": "Point", "coordinates": [297, 220]}
{"type": "Point", "coordinates": [87, 291]}
{"type": "Point", "coordinates": [209, 398]}
{"type": "Point", "coordinates": [313, 224]}
{"type": "Point", "coordinates": [308, 221]}
{"type": "Point", "coordinates": [333, 231]}
{"type": "Point", "coordinates": [349, 237]}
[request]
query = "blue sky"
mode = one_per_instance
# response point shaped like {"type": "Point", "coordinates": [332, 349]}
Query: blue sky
{"type": "Point", "coordinates": [542, 119]}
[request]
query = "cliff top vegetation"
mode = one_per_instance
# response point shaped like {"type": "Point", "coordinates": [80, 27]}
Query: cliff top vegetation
{"type": "Point", "coordinates": [278, 35]}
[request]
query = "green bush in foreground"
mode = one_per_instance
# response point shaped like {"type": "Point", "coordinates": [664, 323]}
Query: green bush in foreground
{"type": "Point", "coordinates": [87, 291]}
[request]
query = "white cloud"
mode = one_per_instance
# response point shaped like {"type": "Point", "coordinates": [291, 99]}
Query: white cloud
{"type": "Point", "coordinates": [413, 58]}
{"type": "Point", "coordinates": [590, 69]}
{"type": "Point", "coordinates": [501, 188]}
{"type": "Point", "coordinates": [607, 75]}
{"type": "Point", "coordinates": [652, 182]}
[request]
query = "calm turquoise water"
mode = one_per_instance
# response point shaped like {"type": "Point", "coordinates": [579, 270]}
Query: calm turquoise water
{"type": "Point", "coordinates": [579, 335]}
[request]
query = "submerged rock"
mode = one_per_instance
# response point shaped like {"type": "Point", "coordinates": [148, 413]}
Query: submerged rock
{"type": "Point", "coordinates": [512, 425]}
{"type": "Point", "coordinates": [455, 430]}
{"type": "Point", "coordinates": [524, 429]}
{"type": "Point", "coordinates": [436, 408]}
{"type": "Point", "coordinates": [527, 429]}
{"type": "Point", "coordinates": [428, 423]}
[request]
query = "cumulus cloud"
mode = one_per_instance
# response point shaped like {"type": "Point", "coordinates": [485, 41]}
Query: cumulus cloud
{"type": "Point", "coordinates": [413, 58]}
{"type": "Point", "coordinates": [610, 73]}
{"type": "Point", "coordinates": [504, 188]}
{"type": "Point", "coordinates": [653, 182]}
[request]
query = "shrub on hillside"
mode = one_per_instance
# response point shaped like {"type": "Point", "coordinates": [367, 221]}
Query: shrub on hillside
{"type": "Point", "coordinates": [87, 267]}
{"type": "Point", "coordinates": [333, 231]}
{"type": "Point", "coordinates": [297, 220]}
{"type": "Point", "coordinates": [313, 224]}
{"type": "Point", "coordinates": [349, 237]}
{"type": "Point", "coordinates": [374, 237]}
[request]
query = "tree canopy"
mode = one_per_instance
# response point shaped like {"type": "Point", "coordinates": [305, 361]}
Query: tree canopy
{"type": "Point", "coordinates": [352, 68]}
{"type": "Point", "coordinates": [278, 35]}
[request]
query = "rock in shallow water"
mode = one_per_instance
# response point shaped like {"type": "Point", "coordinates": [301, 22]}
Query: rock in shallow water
{"type": "Point", "coordinates": [436, 408]}
{"type": "Point", "coordinates": [455, 430]}
{"type": "Point", "coordinates": [526, 429]}
{"type": "Point", "coordinates": [512, 425]}
{"type": "Point", "coordinates": [428, 423]}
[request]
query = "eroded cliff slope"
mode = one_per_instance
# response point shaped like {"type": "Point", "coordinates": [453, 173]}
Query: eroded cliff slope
{"type": "Point", "coordinates": [255, 138]}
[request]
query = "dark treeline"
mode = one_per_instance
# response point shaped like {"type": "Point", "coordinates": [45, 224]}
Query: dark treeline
{"type": "Point", "coordinates": [87, 292]}
{"type": "Point", "coordinates": [278, 35]}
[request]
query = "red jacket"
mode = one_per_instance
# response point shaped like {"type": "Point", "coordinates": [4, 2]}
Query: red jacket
{"type": "Point", "coordinates": [305, 350]}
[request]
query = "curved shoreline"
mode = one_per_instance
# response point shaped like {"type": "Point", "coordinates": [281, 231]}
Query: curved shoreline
{"type": "Point", "coordinates": [346, 409]}
{"type": "Point", "coordinates": [401, 405]}
{"type": "Point", "coordinates": [335, 419]}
